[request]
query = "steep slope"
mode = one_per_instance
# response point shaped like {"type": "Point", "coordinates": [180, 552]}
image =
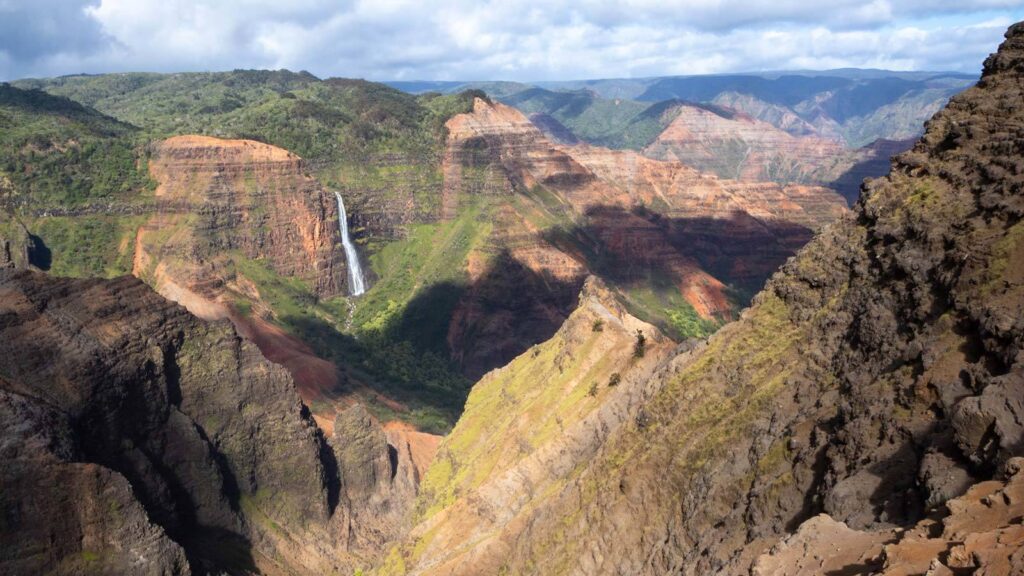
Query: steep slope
{"type": "Point", "coordinates": [225, 196]}
{"type": "Point", "coordinates": [875, 378]}
{"type": "Point", "coordinates": [855, 106]}
{"type": "Point", "coordinates": [528, 425]}
{"type": "Point", "coordinates": [615, 123]}
{"type": "Point", "coordinates": [58, 153]}
{"type": "Point", "coordinates": [232, 216]}
{"type": "Point", "coordinates": [139, 439]}
{"type": "Point", "coordinates": [632, 220]}
{"type": "Point", "coordinates": [733, 144]}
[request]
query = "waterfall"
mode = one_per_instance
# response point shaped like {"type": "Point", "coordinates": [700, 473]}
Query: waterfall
{"type": "Point", "coordinates": [356, 284]}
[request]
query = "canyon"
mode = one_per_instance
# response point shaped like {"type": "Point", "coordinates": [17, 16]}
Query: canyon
{"type": "Point", "coordinates": [862, 416]}
{"type": "Point", "coordinates": [453, 337]}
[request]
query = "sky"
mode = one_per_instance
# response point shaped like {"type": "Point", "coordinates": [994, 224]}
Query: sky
{"type": "Point", "coordinates": [497, 39]}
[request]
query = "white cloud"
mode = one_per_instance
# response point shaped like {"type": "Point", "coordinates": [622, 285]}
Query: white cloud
{"type": "Point", "coordinates": [497, 39]}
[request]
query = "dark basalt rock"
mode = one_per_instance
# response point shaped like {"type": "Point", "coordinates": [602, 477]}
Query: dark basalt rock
{"type": "Point", "coordinates": [139, 439]}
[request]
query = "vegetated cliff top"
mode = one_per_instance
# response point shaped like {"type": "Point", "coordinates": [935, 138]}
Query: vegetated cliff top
{"type": "Point", "coordinates": [878, 376]}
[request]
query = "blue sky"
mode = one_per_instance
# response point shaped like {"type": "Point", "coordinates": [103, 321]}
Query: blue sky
{"type": "Point", "coordinates": [492, 39]}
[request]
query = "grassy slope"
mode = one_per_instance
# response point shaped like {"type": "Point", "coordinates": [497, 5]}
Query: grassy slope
{"type": "Point", "coordinates": [58, 153]}
{"type": "Point", "coordinates": [614, 123]}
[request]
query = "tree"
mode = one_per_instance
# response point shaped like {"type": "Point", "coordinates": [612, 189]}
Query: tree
{"type": "Point", "coordinates": [640, 348]}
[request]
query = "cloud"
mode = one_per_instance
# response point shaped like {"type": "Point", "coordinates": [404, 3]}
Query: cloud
{"type": "Point", "coordinates": [35, 30]}
{"type": "Point", "coordinates": [496, 39]}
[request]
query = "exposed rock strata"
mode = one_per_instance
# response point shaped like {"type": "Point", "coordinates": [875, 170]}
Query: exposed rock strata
{"type": "Point", "coordinates": [633, 217]}
{"type": "Point", "coordinates": [732, 144]}
{"type": "Point", "coordinates": [139, 439]}
{"type": "Point", "coordinates": [877, 376]}
{"type": "Point", "coordinates": [241, 197]}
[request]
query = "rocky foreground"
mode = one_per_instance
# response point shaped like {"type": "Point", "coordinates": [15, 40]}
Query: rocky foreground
{"type": "Point", "coordinates": [138, 439]}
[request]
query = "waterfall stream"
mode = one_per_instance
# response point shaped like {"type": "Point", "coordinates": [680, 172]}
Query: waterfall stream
{"type": "Point", "coordinates": [356, 284]}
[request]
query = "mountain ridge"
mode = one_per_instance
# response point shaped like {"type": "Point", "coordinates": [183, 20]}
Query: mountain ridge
{"type": "Point", "coordinates": [875, 379]}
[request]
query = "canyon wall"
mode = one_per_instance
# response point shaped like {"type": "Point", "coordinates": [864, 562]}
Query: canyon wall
{"type": "Point", "coordinates": [218, 199]}
{"type": "Point", "coordinates": [140, 439]}
{"type": "Point", "coordinates": [877, 380]}
{"type": "Point", "coordinates": [568, 211]}
{"type": "Point", "coordinates": [728, 142]}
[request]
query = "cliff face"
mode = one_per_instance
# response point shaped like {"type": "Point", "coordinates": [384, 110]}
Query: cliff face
{"type": "Point", "coordinates": [224, 198]}
{"type": "Point", "coordinates": [573, 210]}
{"type": "Point", "coordinates": [877, 379]}
{"type": "Point", "coordinates": [732, 144]}
{"type": "Point", "coordinates": [139, 439]}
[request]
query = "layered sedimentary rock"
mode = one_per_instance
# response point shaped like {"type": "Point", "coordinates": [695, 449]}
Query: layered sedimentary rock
{"type": "Point", "coordinates": [631, 216]}
{"type": "Point", "coordinates": [877, 379]}
{"type": "Point", "coordinates": [139, 439]}
{"type": "Point", "coordinates": [224, 203]}
{"type": "Point", "coordinates": [783, 148]}
{"type": "Point", "coordinates": [732, 144]}
{"type": "Point", "coordinates": [224, 198]}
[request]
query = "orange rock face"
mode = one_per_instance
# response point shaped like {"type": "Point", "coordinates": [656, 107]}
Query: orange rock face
{"type": "Point", "coordinates": [223, 199]}
{"type": "Point", "coordinates": [642, 215]}
{"type": "Point", "coordinates": [725, 141]}
{"type": "Point", "coordinates": [244, 196]}
{"type": "Point", "coordinates": [734, 145]}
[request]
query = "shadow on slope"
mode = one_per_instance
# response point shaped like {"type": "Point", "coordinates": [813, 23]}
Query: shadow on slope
{"type": "Point", "coordinates": [423, 360]}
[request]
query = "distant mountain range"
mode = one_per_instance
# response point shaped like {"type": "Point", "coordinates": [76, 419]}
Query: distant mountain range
{"type": "Point", "coordinates": [853, 105]}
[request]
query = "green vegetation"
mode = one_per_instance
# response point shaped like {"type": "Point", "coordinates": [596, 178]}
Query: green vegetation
{"type": "Point", "coordinates": [659, 302]}
{"type": "Point", "coordinates": [640, 346]}
{"type": "Point", "coordinates": [334, 121]}
{"type": "Point", "coordinates": [55, 152]}
{"type": "Point", "coordinates": [615, 123]}
{"type": "Point", "coordinates": [85, 245]}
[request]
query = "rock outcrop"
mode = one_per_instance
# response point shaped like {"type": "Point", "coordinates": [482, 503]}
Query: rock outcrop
{"type": "Point", "coordinates": [732, 144]}
{"type": "Point", "coordinates": [575, 210]}
{"type": "Point", "coordinates": [877, 377]}
{"type": "Point", "coordinates": [982, 534]}
{"type": "Point", "coordinates": [224, 198]}
{"type": "Point", "coordinates": [139, 439]}
{"type": "Point", "coordinates": [16, 244]}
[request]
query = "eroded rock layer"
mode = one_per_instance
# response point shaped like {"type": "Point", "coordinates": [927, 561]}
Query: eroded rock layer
{"type": "Point", "coordinates": [877, 379]}
{"type": "Point", "coordinates": [138, 439]}
{"type": "Point", "coordinates": [221, 199]}
{"type": "Point", "coordinates": [575, 210]}
{"type": "Point", "coordinates": [725, 141]}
